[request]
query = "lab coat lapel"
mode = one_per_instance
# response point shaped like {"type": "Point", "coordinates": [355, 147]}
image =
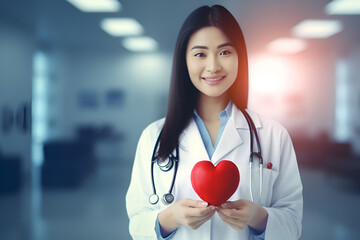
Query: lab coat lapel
{"type": "Point", "coordinates": [240, 121]}
{"type": "Point", "coordinates": [229, 140]}
{"type": "Point", "coordinates": [191, 142]}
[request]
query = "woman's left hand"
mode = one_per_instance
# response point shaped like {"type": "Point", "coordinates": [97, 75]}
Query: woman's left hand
{"type": "Point", "coordinates": [240, 213]}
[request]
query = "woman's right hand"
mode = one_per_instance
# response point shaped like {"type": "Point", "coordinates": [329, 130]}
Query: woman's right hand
{"type": "Point", "coordinates": [187, 212]}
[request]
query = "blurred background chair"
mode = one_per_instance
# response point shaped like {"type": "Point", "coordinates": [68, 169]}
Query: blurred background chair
{"type": "Point", "coordinates": [10, 174]}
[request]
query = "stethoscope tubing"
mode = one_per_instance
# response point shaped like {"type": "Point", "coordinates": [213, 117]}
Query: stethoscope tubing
{"type": "Point", "coordinates": [258, 154]}
{"type": "Point", "coordinates": [153, 160]}
{"type": "Point", "coordinates": [168, 197]}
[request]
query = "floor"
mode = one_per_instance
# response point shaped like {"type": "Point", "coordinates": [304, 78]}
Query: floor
{"type": "Point", "coordinates": [97, 209]}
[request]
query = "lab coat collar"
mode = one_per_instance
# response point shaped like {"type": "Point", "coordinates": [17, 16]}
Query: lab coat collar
{"type": "Point", "coordinates": [231, 138]}
{"type": "Point", "coordinates": [190, 141]}
{"type": "Point", "coordinates": [240, 121]}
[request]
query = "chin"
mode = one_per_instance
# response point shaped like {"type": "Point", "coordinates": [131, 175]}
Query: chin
{"type": "Point", "coordinates": [215, 94]}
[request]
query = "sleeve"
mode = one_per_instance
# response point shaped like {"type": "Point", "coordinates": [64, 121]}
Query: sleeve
{"type": "Point", "coordinates": [142, 214]}
{"type": "Point", "coordinates": [158, 232]}
{"type": "Point", "coordinates": [286, 208]}
{"type": "Point", "coordinates": [256, 235]}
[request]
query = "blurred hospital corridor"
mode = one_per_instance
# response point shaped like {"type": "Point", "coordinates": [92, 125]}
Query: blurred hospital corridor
{"type": "Point", "coordinates": [79, 83]}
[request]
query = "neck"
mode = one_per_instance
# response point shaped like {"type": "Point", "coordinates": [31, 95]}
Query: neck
{"type": "Point", "coordinates": [209, 108]}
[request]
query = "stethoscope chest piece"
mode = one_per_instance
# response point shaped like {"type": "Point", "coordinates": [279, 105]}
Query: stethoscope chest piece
{"type": "Point", "coordinates": [153, 199]}
{"type": "Point", "coordinates": [168, 198]}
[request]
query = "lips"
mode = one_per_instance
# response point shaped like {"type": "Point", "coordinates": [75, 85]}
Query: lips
{"type": "Point", "coordinates": [212, 80]}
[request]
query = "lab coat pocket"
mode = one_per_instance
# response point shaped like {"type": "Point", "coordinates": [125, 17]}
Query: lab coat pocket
{"type": "Point", "coordinates": [268, 180]}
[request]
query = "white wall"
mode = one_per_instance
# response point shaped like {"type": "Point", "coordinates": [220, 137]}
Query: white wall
{"type": "Point", "coordinates": [16, 52]}
{"type": "Point", "coordinates": [143, 77]}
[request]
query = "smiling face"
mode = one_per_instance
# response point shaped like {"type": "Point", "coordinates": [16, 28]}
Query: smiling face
{"type": "Point", "coordinates": [212, 62]}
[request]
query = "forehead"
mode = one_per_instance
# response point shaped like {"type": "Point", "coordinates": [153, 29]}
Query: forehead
{"type": "Point", "coordinates": [208, 36]}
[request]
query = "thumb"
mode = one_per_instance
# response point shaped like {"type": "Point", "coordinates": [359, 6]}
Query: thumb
{"type": "Point", "coordinates": [196, 203]}
{"type": "Point", "coordinates": [227, 204]}
{"type": "Point", "coordinates": [235, 204]}
{"type": "Point", "coordinates": [202, 204]}
{"type": "Point", "coordinates": [232, 205]}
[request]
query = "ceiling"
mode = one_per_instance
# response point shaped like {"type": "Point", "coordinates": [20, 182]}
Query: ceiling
{"type": "Point", "coordinates": [58, 23]}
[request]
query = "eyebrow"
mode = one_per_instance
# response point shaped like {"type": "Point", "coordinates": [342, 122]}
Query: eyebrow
{"type": "Point", "coordinates": [220, 46]}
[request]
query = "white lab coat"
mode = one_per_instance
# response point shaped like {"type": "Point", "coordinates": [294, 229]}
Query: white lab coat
{"type": "Point", "coordinates": [282, 187]}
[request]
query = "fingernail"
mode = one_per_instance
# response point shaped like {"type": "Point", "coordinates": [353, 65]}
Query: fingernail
{"type": "Point", "coordinates": [224, 205]}
{"type": "Point", "coordinates": [204, 204]}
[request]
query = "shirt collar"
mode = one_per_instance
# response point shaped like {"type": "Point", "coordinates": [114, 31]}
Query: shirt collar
{"type": "Point", "coordinates": [224, 113]}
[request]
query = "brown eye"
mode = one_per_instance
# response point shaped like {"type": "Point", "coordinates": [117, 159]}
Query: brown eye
{"type": "Point", "coordinates": [225, 52]}
{"type": "Point", "coordinates": [200, 55]}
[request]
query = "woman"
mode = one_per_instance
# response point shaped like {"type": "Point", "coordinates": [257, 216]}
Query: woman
{"type": "Point", "coordinates": [204, 121]}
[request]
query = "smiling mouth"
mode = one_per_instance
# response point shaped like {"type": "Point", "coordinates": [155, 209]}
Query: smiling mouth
{"type": "Point", "coordinates": [213, 79]}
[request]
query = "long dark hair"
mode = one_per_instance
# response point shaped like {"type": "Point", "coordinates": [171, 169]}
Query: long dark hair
{"type": "Point", "coordinates": [183, 95]}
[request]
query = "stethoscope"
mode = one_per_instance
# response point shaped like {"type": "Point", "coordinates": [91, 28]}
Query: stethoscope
{"type": "Point", "coordinates": [167, 164]}
{"type": "Point", "coordinates": [254, 154]}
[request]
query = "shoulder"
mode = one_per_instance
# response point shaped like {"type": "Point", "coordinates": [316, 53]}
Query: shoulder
{"type": "Point", "coordinates": [149, 135]}
{"type": "Point", "coordinates": [267, 122]}
{"type": "Point", "coordinates": [152, 131]}
{"type": "Point", "coordinates": [268, 126]}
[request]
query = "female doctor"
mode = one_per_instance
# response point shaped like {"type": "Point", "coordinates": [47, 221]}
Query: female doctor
{"type": "Point", "coordinates": [204, 121]}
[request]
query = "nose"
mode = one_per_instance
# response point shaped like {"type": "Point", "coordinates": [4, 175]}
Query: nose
{"type": "Point", "coordinates": [213, 65]}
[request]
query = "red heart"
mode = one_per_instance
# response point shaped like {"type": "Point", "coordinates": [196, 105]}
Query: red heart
{"type": "Point", "coordinates": [215, 185]}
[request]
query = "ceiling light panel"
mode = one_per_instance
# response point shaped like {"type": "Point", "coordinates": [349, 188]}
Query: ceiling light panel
{"type": "Point", "coordinates": [287, 45]}
{"type": "Point", "coordinates": [140, 44]}
{"type": "Point", "coordinates": [119, 27]}
{"type": "Point", "coordinates": [317, 28]}
{"type": "Point", "coordinates": [96, 5]}
{"type": "Point", "coordinates": [343, 7]}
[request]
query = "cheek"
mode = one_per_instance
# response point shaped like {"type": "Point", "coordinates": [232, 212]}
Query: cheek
{"type": "Point", "coordinates": [193, 68]}
{"type": "Point", "coordinates": [234, 67]}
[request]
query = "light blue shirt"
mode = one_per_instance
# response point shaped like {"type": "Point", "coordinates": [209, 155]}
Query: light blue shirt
{"type": "Point", "coordinates": [224, 117]}
{"type": "Point", "coordinates": [210, 148]}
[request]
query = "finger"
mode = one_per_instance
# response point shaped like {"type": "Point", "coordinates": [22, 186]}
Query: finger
{"type": "Point", "coordinates": [233, 204]}
{"type": "Point", "coordinates": [209, 212]}
{"type": "Point", "coordinates": [234, 223]}
{"type": "Point", "coordinates": [242, 213]}
{"type": "Point", "coordinates": [195, 203]}
{"type": "Point", "coordinates": [230, 219]}
{"type": "Point", "coordinates": [200, 222]}
{"type": "Point", "coordinates": [233, 213]}
{"type": "Point", "coordinates": [198, 212]}
{"type": "Point", "coordinates": [194, 222]}
{"type": "Point", "coordinates": [225, 217]}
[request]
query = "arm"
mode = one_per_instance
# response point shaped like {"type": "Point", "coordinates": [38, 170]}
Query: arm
{"type": "Point", "coordinates": [142, 214]}
{"type": "Point", "coordinates": [285, 211]}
